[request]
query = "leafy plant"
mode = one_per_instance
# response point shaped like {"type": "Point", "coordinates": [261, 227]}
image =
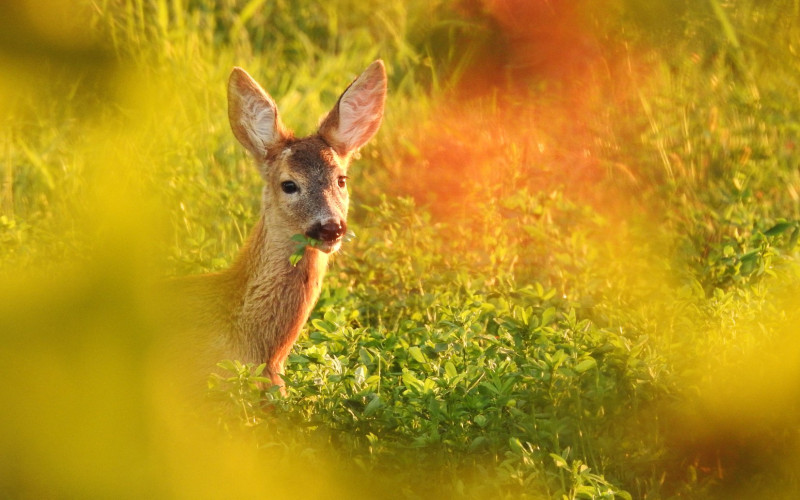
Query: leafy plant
{"type": "Point", "coordinates": [303, 241]}
{"type": "Point", "coordinates": [574, 286]}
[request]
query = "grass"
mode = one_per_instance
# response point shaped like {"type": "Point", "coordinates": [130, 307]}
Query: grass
{"type": "Point", "coordinates": [575, 272]}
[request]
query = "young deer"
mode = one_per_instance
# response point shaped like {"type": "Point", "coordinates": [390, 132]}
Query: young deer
{"type": "Point", "coordinates": [256, 309]}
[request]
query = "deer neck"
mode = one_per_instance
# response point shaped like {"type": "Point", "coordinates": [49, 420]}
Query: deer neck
{"type": "Point", "coordinates": [272, 298]}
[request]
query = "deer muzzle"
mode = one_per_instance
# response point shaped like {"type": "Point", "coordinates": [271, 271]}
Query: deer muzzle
{"type": "Point", "coordinates": [329, 232]}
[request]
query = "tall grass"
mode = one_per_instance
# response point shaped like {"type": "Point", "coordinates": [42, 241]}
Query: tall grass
{"type": "Point", "coordinates": [575, 273]}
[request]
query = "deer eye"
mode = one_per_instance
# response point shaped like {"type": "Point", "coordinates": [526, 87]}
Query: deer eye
{"type": "Point", "coordinates": [289, 187]}
{"type": "Point", "coordinates": [342, 181]}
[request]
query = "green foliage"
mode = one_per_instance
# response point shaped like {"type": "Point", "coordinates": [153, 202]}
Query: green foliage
{"type": "Point", "coordinates": [605, 307]}
{"type": "Point", "coordinates": [302, 242]}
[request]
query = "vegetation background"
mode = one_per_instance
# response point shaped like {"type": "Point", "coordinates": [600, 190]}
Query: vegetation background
{"type": "Point", "coordinates": [575, 273]}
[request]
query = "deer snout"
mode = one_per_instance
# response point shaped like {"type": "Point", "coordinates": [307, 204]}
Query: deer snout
{"type": "Point", "coordinates": [328, 232]}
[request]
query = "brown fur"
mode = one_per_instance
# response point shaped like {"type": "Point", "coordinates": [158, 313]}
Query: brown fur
{"type": "Point", "coordinates": [255, 310]}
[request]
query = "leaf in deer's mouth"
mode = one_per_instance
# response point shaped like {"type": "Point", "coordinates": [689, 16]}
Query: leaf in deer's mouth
{"type": "Point", "coordinates": [302, 242]}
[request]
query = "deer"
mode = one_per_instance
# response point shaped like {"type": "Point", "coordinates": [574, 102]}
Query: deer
{"type": "Point", "coordinates": [256, 309]}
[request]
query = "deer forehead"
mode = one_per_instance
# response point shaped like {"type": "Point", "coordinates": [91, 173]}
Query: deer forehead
{"type": "Point", "coordinates": [312, 160]}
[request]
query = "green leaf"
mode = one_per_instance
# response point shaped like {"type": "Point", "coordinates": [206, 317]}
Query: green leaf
{"type": "Point", "coordinates": [298, 359]}
{"type": "Point", "coordinates": [300, 238]}
{"type": "Point", "coordinates": [373, 406]}
{"type": "Point", "coordinates": [515, 445]}
{"type": "Point", "coordinates": [548, 315]}
{"type": "Point", "coordinates": [304, 241]}
{"type": "Point", "coordinates": [559, 461]}
{"type": "Point", "coordinates": [585, 365]}
{"type": "Point", "coordinates": [478, 442]}
{"type": "Point", "coordinates": [779, 228]}
{"type": "Point", "coordinates": [365, 356]}
{"type": "Point", "coordinates": [360, 374]}
{"type": "Point", "coordinates": [227, 364]}
{"type": "Point", "coordinates": [728, 251]}
{"type": "Point", "coordinates": [794, 237]}
{"type": "Point", "coordinates": [412, 382]}
{"type": "Point", "coordinates": [450, 369]}
{"type": "Point", "coordinates": [298, 254]}
{"type": "Point", "coordinates": [749, 261]}
{"type": "Point", "coordinates": [322, 325]}
{"type": "Point", "coordinates": [416, 353]}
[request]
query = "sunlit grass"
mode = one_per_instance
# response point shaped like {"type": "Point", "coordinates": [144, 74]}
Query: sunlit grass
{"type": "Point", "coordinates": [572, 276]}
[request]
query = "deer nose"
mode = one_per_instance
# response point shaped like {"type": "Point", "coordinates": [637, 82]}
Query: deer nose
{"type": "Point", "coordinates": [328, 232]}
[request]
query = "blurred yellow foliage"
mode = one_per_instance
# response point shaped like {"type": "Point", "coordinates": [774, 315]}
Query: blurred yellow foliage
{"type": "Point", "coordinates": [91, 407]}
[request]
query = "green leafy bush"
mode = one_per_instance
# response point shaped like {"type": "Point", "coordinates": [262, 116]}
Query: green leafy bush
{"type": "Point", "coordinates": [573, 284]}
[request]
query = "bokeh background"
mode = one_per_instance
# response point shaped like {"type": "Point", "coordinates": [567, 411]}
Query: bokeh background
{"type": "Point", "coordinates": [575, 271]}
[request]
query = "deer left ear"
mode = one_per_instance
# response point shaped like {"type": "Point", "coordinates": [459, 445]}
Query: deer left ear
{"type": "Point", "coordinates": [358, 113]}
{"type": "Point", "coordinates": [253, 115]}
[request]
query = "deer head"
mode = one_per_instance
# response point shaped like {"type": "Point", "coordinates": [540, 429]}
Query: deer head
{"type": "Point", "coordinates": [306, 178]}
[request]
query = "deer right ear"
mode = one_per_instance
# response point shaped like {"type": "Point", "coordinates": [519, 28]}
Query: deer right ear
{"type": "Point", "coordinates": [358, 114]}
{"type": "Point", "coordinates": [253, 115]}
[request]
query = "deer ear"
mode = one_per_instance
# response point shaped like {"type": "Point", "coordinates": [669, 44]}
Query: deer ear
{"type": "Point", "coordinates": [358, 113]}
{"type": "Point", "coordinates": [253, 114]}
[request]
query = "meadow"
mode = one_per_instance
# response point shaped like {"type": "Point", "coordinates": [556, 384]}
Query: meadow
{"type": "Point", "coordinates": [575, 274]}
